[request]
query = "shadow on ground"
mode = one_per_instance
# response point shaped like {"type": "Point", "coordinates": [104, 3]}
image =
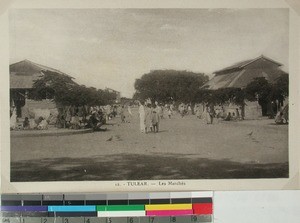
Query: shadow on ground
{"type": "Point", "coordinates": [140, 167]}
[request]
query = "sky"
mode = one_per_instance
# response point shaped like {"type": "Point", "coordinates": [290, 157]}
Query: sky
{"type": "Point", "coordinates": [113, 47]}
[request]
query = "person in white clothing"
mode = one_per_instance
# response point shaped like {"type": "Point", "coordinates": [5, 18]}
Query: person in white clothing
{"type": "Point", "coordinates": [142, 117]}
{"type": "Point", "coordinates": [13, 119]}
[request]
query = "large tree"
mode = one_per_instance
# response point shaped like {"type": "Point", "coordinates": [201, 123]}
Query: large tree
{"type": "Point", "coordinates": [282, 86]}
{"type": "Point", "coordinates": [63, 90]}
{"type": "Point", "coordinates": [52, 85]}
{"type": "Point", "coordinates": [267, 93]}
{"type": "Point", "coordinates": [169, 85]}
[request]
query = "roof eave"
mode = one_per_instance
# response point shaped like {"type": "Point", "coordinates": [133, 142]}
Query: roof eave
{"type": "Point", "coordinates": [244, 65]}
{"type": "Point", "coordinates": [261, 57]}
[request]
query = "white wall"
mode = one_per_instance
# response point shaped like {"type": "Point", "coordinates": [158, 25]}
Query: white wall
{"type": "Point", "coordinates": [257, 207]}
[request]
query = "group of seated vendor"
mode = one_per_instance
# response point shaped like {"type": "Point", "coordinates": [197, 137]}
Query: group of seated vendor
{"type": "Point", "coordinates": [281, 118]}
{"type": "Point", "coordinates": [232, 116]}
{"type": "Point", "coordinates": [93, 121]}
{"type": "Point", "coordinates": [40, 124]}
{"type": "Point", "coordinates": [96, 120]}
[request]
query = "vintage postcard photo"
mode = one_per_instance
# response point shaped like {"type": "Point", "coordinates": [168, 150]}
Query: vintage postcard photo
{"type": "Point", "coordinates": [113, 97]}
{"type": "Point", "coordinates": [148, 94]}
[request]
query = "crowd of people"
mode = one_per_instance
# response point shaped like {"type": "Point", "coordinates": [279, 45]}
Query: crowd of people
{"type": "Point", "coordinates": [150, 115]}
{"type": "Point", "coordinates": [71, 117]}
{"type": "Point", "coordinates": [85, 117]}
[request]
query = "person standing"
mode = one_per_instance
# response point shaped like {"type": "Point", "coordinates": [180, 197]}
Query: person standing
{"type": "Point", "coordinates": [115, 111]}
{"type": "Point", "coordinates": [142, 117]}
{"type": "Point", "coordinates": [129, 113]}
{"type": "Point", "coordinates": [238, 117]}
{"type": "Point", "coordinates": [122, 114]}
{"type": "Point", "coordinates": [26, 124]}
{"type": "Point", "coordinates": [159, 110]}
{"type": "Point", "coordinates": [169, 113]}
{"type": "Point", "coordinates": [68, 117]}
{"type": "Point", "coordinates": [242, 108]}
{"type": "Point", "coordinates": [207, 115]}
{"type": "Point", "coordinates": [190, 111]}
{"type": "Point", "coordinates": [198, 111]}
{"type": "Point", "coordinates": [13, 119]}
{"type": "Point", "coordinates": [211, 113]}
{"type": "Point", "coordinates": [172, 108]}
{"type": "Point", "coordinates": [148, 118]}
{"type": "Point", "coordinates": [181, 109]}
{"type": "Point", "coordinates": [107, 112]}
{"type": "Point", "coordinates": [155, 119]}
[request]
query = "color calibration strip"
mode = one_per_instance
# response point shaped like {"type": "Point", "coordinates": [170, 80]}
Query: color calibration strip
{"type": "Point", "coordinates": [178, 204]}
{"type": "Point", "coordinates": [120, 210]}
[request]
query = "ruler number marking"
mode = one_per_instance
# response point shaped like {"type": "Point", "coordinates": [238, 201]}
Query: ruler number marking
{"type": "Point", "coordinates": [194, 218]}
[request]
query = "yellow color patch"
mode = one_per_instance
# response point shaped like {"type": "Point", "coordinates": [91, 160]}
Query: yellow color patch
{"type": "Point", "coordinates": [157, 207]}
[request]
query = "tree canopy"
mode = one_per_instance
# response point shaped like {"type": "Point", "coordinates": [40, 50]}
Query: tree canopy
{"type": "Point", "coordinates": [263, 91]}
{"type": "Point", "coordinates": [63, 90]}
{"type": "Point", "coordinates": [183, 86]}
{"type": "Point", "coordinates": [258, 89]}
{"type": "Point", "coordinates": [282, 85]}
{"type": "Point", "coordinates": [169, 85]}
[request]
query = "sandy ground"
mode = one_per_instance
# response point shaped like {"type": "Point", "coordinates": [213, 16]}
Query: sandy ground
{"type": "Point", "coordinates": [180, 140]}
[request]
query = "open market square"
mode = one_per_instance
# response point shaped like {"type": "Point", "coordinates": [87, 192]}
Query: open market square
{"type": "Point", "coordinates": [185, 148]}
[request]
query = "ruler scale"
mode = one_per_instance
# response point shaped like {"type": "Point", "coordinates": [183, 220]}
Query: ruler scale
{"type": "Point", "coordinates": [170, 219]}
{"type": "Point", "coordinates": [160, 207]}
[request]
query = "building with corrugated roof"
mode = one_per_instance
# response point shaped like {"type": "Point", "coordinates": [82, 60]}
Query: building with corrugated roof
{"type": "Point", "coordinates": [241, 74]}
{"type": "Point", "coordinates": [23, 74]}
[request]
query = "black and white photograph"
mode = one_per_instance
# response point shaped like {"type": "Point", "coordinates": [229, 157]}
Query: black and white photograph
{"type": "Point", "coordinates": [119, 94]}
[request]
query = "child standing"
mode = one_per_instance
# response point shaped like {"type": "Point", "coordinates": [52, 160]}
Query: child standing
{"type": "Point", "coordinates": [155, 120]}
